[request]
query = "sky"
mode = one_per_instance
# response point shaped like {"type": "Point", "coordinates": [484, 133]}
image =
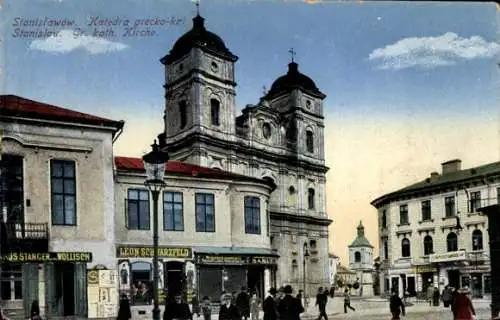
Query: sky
{"type": "Point", "coordinates": [409, 85]}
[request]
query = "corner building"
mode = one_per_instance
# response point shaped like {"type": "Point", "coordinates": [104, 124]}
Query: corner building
{"type": "Point", "coordinates": [56, 200]}
{"type": "Point", "coordinates": [279, 139]}
{"type": "Point", "coordinates": [431, 234]}
{"type": "Point", "coordinates": [214, 231]}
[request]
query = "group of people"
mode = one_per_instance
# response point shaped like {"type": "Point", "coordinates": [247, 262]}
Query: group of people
{"type": "Point", "coordinates": [459, 302]}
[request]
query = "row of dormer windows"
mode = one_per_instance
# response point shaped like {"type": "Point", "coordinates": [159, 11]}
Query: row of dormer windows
{"type": "Point", "coordinates": [138, 211]}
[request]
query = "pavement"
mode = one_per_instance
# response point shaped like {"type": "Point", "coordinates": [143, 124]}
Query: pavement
{"type": "Point", "coordinates": [366, 308]}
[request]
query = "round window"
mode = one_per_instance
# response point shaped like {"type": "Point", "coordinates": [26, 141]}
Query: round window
{"type": "Point", "coordinates": [214, 67]}
{"type": "Point", "coordinates": [266, 130]}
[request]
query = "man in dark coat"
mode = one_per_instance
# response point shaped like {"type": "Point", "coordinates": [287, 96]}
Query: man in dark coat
{"type": "Point", "coordinates": [290, 307]}
{"type": "Point", "coordinates": [177, 309]}
{"type": "Point", "coordinates": [321, 301]}
{"type": "Point", "coordinates": [396, 306]}
{"type": "Point", "coordinates": [228, 311]}
{"type": "Point", "coordinates": [270, 307]}
{"type": "Point", "coordinates": [243, 303]}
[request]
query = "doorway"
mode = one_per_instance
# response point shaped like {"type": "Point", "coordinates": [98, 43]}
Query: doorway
{"type": "Point", "coordinates": [477, 285]}
{"type": "Point", "coordinates": [174, 275]}
{"type": "Point", "coordinates": [427, 281]}
{"type": "Point", "coordinates": [454, 278]}
{"type": "Point", "coordinates": [65, 288]}
{"type": "Point", "coordinates": [395, 285]}
{"type": "Point", "coordinates": [411, 289]}
{"type": "Point", "coordinates": [255, 280]}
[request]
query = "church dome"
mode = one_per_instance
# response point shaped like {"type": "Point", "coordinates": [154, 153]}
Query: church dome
{"type": "Point", "coordinates": [294, 79]}
{"type": "Point", "coordinates": [201, 38]}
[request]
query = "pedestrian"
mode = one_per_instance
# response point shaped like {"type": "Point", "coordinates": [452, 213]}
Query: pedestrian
{"type": "Point", "coordinates": [347, 301]}
{"type": "Point", "coordinates": [228, 311]}
{"type": "Point", "coordinates": [321, 301]}
{"type": "Point", "coordinates": [435, 297]}
{"type": "Point", "coordinates": [430, 293]}
{"type": "Point", "coordinates": [289, 308]}
{"type": "Point", "coordinates": [206, 308]}
{"type": "Point", "coordinates": [254, 306]}
{"type": "Point", "coordinates": [269, 306]}
{"type": "Point", "coordinates": [300, 295]}
{"type": "Point", "coordinates": [178, 309]}
{"type": "Point", "coordinates": [243, 303]}
{"type": "Point", "coordinates": [124, 312]}
{"type": "Point", "coordinates": [396, 306]}
{"type": "Point", "coordinates": [332, 292]}
{"type": "Point", "coordinates": [462, 307]}
{"type": "Point", "coordinates": [35, 310]}
{"type": "Point", "coordinates": [195, 304]}
{"type": "Point", "coordinates": [446, 296]}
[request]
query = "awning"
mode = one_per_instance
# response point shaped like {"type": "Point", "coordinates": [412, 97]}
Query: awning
{"type": "Point", "coordinates": [235, 251]}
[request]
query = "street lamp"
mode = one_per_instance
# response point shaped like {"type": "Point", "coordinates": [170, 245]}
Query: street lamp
{"type": "Point", "coordinates": [306, 256]}
{"type": "Point", "coordinates": [154, 163]}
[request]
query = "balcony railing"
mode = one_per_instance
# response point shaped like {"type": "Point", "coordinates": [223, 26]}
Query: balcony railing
{"type": "Point", "coordinates": [24, 237]}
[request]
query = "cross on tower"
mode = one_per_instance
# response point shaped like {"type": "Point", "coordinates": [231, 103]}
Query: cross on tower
{"type": "Point", "coordinates": [292, 53]}
{"type": "Point", "coordinates": [197, 3]}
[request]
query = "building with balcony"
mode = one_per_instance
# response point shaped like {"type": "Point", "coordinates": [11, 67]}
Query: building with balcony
{"type": "Point", "coordinates": [214, 235]}
{"type": "Point", "coordinates": [431, 234]}
{"type": "Point", "coordinates": [56, 200]}
{"type": "Point", "coordinates": [361, 261]}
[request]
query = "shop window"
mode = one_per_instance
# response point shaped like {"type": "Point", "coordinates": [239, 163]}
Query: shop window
{"type": "Point", "coordinates": [11, 282]}
{"type": "Point", "coordinates": [141, 282]}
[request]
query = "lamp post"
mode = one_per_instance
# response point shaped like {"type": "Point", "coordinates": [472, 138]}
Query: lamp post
{"type": "Point", "coordinates": [154, 163]}
{"type": "Point", "coordinates": [306, 256]}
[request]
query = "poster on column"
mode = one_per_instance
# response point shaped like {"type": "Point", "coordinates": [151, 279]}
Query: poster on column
{"type": "Point", "coordinates": [102, 293]}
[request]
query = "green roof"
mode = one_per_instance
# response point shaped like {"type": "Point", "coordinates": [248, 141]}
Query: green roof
{"type": "Point", "coordinates": [443, 181]}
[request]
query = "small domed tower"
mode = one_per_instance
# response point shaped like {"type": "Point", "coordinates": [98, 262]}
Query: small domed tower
{"type": "Point", "coordinates": [361, 261]}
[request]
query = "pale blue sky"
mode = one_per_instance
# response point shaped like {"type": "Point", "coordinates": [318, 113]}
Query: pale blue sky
{"type": "Point", "coordinates": [388, 68]}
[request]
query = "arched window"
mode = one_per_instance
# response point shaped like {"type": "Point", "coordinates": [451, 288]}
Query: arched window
{"type": "Point", "coordinates": [477, 240]}
{"type": "Point", "coordinates": [405, 248]}
{"type": "Point", "coordinates": [183, 113]}
{"type": "Point", "coordinates": [357, 256]}
{"type": "Point", "coordinates": [452, 242]}
{"type": "Point", "coordinates": [310, 198]}
{"type": "Point", "coordinates": [215, 111]}
{"type": "Point", "coordinates": [428, 245]}
{"type": "Point", "coordinates": [310, 141]}
{"type": "Point", "coordinates": [384, 219]}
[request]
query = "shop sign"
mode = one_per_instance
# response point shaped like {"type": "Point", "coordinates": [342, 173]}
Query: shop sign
{"type": "Point", "coordinates": [216, 259]}
{"type": "Point", "coordinates": [448, 256]}
{"type": "Point", "coordinates": [263, 260]}
{"type": "Point", "coordinates": [148, 252]}
{"type": "Point", "coordinates": [423, 269]}
{"type": "Point", "coordinates": [48, 257]}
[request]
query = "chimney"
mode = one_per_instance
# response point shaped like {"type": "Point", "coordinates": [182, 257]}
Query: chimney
{"type": "Point", "coordinates": [434, 176]}
{"type": "Point", "coordinates": [451, 166]}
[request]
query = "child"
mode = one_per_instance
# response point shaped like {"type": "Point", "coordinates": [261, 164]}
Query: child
{"type": "Point", "coordinates": [254, 306]}
{"type": "Point", "coordinates": [206, 308]}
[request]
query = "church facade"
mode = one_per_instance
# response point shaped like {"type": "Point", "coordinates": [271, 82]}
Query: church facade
{"type": "Point", "coordinates": [280, 139]}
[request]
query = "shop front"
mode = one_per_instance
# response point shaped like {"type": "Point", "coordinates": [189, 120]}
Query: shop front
{"type": "Point", "coordinates": [56, 279]}
{"type": "Point", "coordinates": [135, 272]}
{"type": "Point", "coordinates": [217, 273]}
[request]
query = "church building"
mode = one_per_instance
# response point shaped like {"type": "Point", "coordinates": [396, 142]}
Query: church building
{"type": "Point", "coordinates": [280, 139]}
{"type": "Point", "coordinates": [361, 261]}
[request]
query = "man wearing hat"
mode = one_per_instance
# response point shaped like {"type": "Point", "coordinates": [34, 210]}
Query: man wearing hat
{"type": "Point", "coordinates": [462, 307]}
{"type": "Point", "coordinates": [290, 307]}
{"type": "Point", "coordinates": [270, 306]}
